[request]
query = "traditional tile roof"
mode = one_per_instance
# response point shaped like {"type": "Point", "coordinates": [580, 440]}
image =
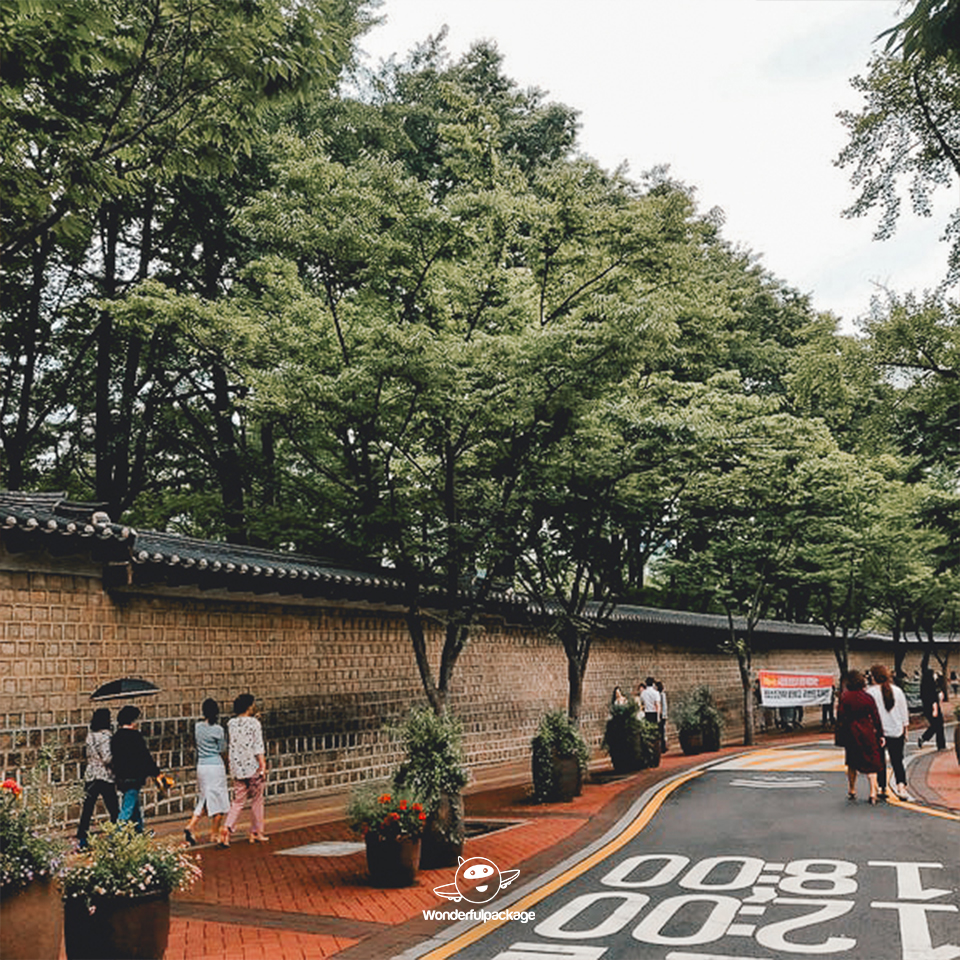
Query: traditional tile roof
{"type": "Point", "coordinates": [151, 557]}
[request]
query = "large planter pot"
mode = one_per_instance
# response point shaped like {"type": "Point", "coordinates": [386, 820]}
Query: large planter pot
{"type": "Point", "coordinates": [699, 739]}
{"type": "Point", "coordinates": [956, 741]}
{"type": "Point", "coordinates": [444, 834]}
{"type": "Point", "coordinates": [393, 863]}
{"type": "Point", "coordinates": [31, 922]}
{"type": "Point", "coordinates": [120, 928]}
{"type": "Point", "coordinates": [624, 744]}
{"type": "Point", "coordinates": [567, 778]}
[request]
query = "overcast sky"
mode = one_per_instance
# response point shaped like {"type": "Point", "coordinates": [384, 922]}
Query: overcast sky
{"type": "Point", "coordinates": [739, 97]}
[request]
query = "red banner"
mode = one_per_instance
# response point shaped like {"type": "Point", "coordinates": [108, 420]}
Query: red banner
{"type": "Point", "coordinates": [794, 688]}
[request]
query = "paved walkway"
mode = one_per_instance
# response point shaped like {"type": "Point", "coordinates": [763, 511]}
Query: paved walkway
{"type": "Point", "coordinates": [257, 903]}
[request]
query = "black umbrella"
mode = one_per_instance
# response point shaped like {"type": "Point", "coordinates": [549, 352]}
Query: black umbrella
{"type": "Point", "coordinates": [123, 688]}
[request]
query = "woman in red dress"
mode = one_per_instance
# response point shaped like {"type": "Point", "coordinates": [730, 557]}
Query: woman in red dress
{"type": "Point", "coordinates": [860, 732]}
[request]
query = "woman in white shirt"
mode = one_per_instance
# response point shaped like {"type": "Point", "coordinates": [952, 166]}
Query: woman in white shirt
{"type": "Point", "coordinates": [248, 767]}
{"type": "Point", "coordinates": [895, 718]}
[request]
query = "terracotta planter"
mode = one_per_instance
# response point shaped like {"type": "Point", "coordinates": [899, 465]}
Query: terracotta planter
{"type": "Point", "coordinates": [31, 922]}
{"type": "Point", "coordinates": [443, 837]}
{"type": "Point", "coordinates": [393, 863]}
{"type": "Point", "coordinates": [121, 928]}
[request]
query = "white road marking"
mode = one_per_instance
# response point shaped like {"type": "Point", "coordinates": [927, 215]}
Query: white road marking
{"type": "Point", "coordinates": [826, 760]}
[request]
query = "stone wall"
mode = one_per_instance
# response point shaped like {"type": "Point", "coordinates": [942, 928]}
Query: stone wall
{"type": "Point", "coordinates": [330, 680]}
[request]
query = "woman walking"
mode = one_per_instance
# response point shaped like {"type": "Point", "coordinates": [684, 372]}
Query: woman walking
{"type": "Point", "coordinates": [248, 767]}
{"type": "Point", "coordinates": [98, 777]}
{"type": "Point", "coordinates": [214, 795]}
{"type": "Point", "coordinates": [891, 704]}
{"type": "Point", "coordinates": [860, 734]}
{"type": "Point", "coordinates": [931, 696]}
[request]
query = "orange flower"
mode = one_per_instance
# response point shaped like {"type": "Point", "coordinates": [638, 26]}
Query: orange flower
{"type": "Point", "coordinates": [416, 808]}
{"type": "Point", "coordinates": [385, 798]}
{"type": "Point", "coordinates": [12, 786]}
{"type": "Point", "coordinates": [403, 804]}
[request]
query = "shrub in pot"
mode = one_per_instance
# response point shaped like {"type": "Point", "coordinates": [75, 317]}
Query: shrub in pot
{"type": "Point", "coordinates": [698, 721]}
{"type": "Point", "coordinates": [391, 825]}
{"type": "Point", "coordinates": [116, 894]}
{"type": "Point", "coordinates": [435, 773]}
{"type": "Point", "coordinates": [31, 917]}
{"type": "Point", "coordinates": [633, 743]}
{"type": "Point", "coordinates": [560, 758]}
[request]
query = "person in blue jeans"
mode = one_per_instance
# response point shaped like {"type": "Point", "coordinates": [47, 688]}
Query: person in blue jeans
{"type": "Point", "coordinates": [132, 765]}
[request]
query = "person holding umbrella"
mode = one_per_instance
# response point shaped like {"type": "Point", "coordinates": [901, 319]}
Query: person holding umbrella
{"type": "Point", "coordinates": [132, 764]}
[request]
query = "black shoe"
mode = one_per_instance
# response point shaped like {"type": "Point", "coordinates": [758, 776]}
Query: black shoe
{"type": "Point", "coordinates": [191, 839]}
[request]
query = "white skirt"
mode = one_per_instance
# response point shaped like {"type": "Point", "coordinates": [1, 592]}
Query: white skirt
{"type": "Point", "coordinates": [212, 787]}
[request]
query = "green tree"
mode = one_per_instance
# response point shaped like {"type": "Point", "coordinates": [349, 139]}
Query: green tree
{"type": "Point", "coordinates": [743, 525]}
{"type": "Point", "coordinates": [908, 132]}
{"type": "Point", "coordinates": [118, 117]}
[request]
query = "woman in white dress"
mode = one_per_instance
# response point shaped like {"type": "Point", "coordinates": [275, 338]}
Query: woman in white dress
{"type": "Point", "coordinates": [214, 796]}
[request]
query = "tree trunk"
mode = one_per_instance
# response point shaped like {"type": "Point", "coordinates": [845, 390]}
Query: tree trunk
{"type": "Point", "coordinates": [575, 699]}
{"type": "Point", "coordinates": [743, 662]}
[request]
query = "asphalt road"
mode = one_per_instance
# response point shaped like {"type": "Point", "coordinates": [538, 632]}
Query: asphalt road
{"type": "Point", "coordinates": [761, 856]}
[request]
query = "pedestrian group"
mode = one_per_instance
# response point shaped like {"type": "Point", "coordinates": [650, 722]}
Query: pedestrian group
{"type": "Point", "coordinates": [119, 765]}
{"type": "Point", "coordinates": [872, 726]}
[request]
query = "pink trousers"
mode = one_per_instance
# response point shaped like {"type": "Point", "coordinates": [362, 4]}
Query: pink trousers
{"type": "Point", "coordinates": [251, 788]}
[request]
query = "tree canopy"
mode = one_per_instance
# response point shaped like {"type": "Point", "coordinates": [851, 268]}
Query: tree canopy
{"type": "Point", "coordinates": [404, 321]}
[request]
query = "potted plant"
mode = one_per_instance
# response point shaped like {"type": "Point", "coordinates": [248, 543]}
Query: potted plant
{"type": "Point", "coordinates": [560, 758]}
{"type": "Point", "coordinates": [698, 721]}
{"type": "Point", "coordinates": [391, 825]}
{"type": "Point", "coordinates": [116, 894]}
{"type": "Point", "coordinates": [31, 918]}
{"type": "Point", "coordinates": [632, 743]}
{"type": "Point", "coordinates": [435, 773]}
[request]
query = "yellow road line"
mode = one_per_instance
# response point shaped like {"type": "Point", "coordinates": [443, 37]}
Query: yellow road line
{"type": "Point", "coordinates": [482, 929]}
{"type": "Point", "coordinates": [918, 808]}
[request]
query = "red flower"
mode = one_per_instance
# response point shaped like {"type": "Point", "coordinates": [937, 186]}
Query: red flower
{"type": "Point", "coordinates": [12, 786]}
{"type": "Point", "coordinates": [416, 808]}
{"type": "Point", "coordinates": [423, 816]}
{"type": "Point", "coordinates": [385, 798]}
{"type": "Point", "coordinates": [403, 804]}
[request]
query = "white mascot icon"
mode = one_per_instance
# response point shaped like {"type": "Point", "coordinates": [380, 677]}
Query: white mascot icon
{"type": "Point", "coordinates": [478, 880]}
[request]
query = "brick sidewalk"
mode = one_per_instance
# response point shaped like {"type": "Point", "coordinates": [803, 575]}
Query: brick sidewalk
{"type": "Point", "coordinates": [253, 904]}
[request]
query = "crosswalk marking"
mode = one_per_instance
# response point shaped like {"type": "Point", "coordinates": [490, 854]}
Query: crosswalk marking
{"type": "Point", "coordinates": [824, 760]}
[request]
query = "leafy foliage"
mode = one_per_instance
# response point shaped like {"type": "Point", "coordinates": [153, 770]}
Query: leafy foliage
{"type": "Point", "coordinates": [386, 816]}
{"type": "Point", "coordinates": [696, 711]}
{"type": "Point", "coordinates": [633, 743]}
{"type": "Point", "coordinates": [119, 862]}
{"type": "Point", "coordinates": [434, 761]}
{"type": "Point", "coordinates": [27, 852]}
{"type": "Point", "coordinates": [908, 131]}
{"type": "Point", "coordinates": [557, 736]}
